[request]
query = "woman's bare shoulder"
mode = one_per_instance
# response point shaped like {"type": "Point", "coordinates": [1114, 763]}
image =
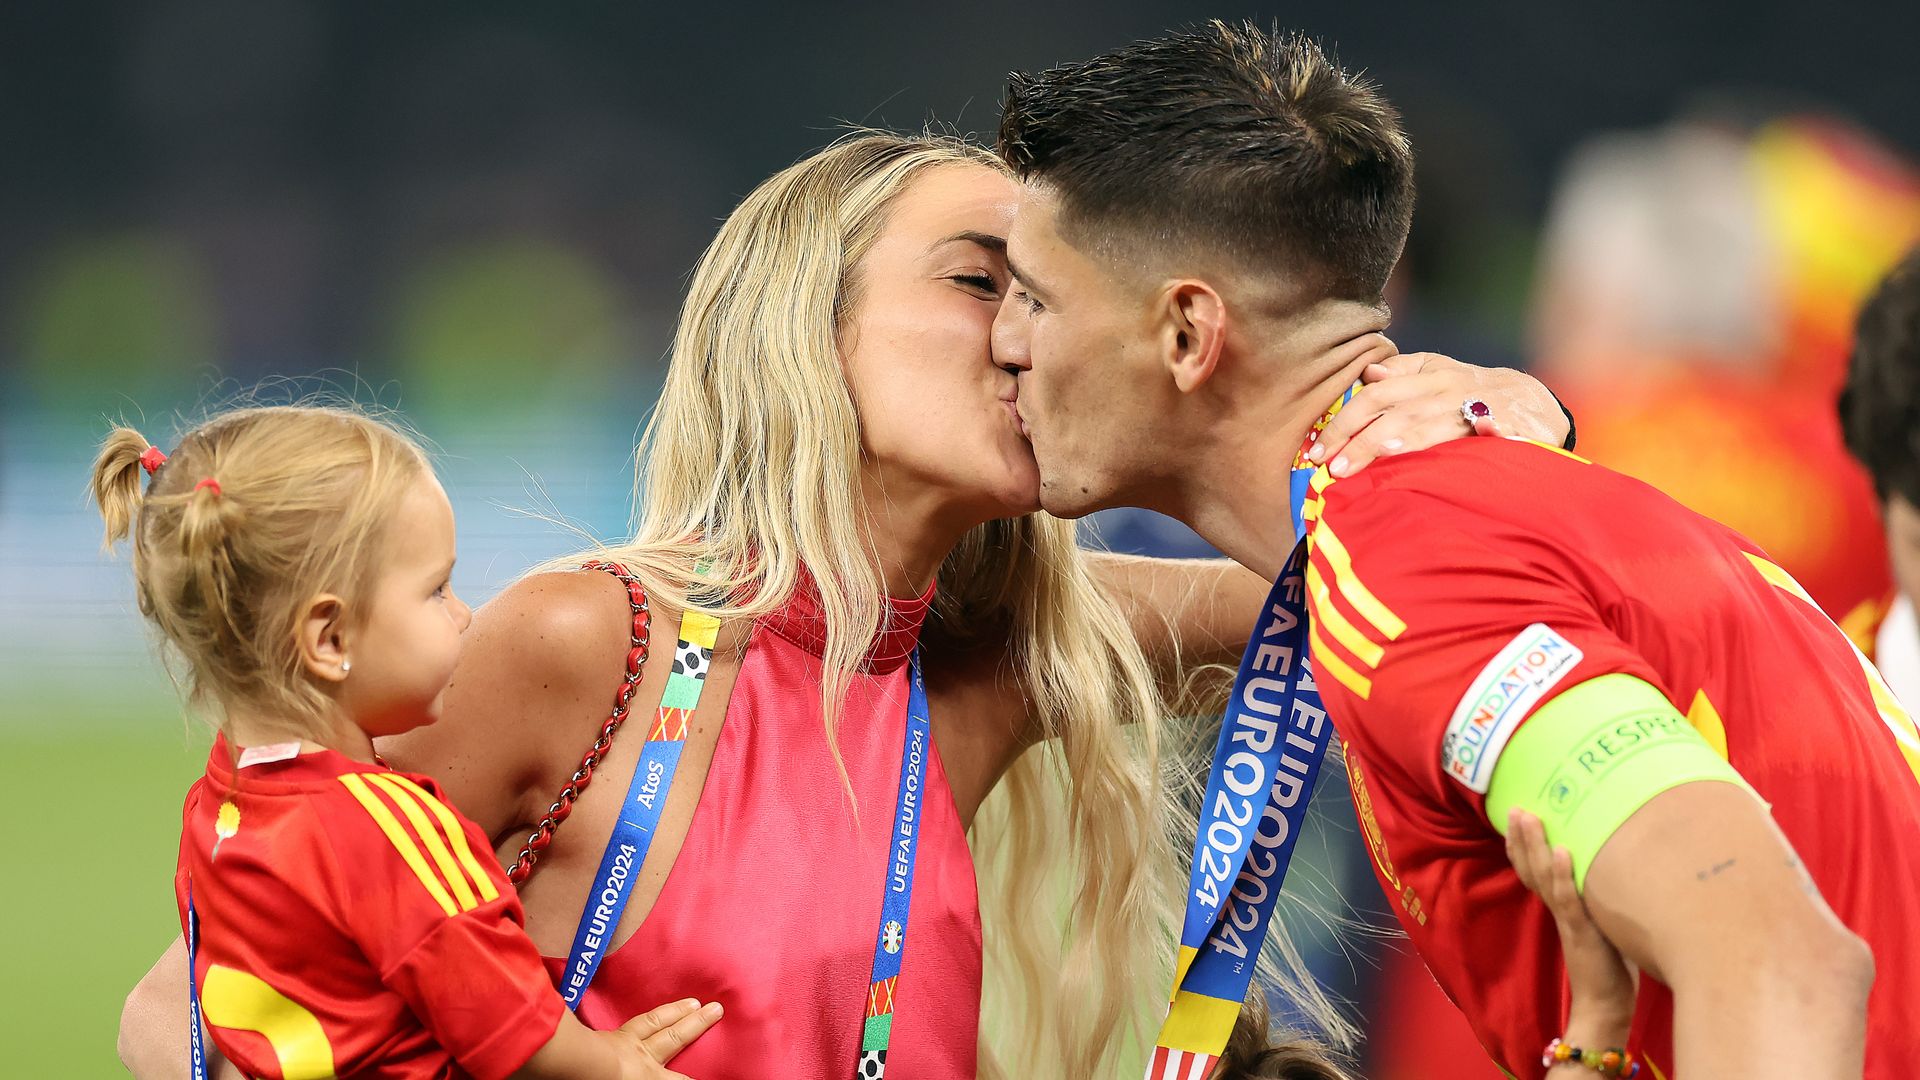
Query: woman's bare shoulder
{"type": "Point", "coordinates": [537, 674]}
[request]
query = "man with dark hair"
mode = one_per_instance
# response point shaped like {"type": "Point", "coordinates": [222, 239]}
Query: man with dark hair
{"type": "Point", "coordinates": [1497, 625]}
{"type": "Point", "coordinates": [1880, 413]}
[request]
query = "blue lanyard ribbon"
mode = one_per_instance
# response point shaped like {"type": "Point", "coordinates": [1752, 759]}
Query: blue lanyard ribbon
{"type": "Point", "coordinates": [626, 852]}
{"type": "Point", "coordinates": [890, 945]}
{"type": "Point", "coordinates": [1273, 739]}
{"type": "Point", "coordinates": [197, 1049]}
{"type": "Point", "coordinates": [645, 800]}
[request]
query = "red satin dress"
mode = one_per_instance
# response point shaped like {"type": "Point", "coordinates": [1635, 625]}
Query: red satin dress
{"type": "Point", "coordinates": [773, 905]}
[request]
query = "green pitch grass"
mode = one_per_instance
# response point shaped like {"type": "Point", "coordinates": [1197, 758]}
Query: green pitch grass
{"type": "Point", "coordinates": [94, 830]}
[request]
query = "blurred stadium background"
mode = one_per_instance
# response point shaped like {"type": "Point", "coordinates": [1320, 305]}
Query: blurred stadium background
{"type": "Point", "coordinates": [482, 215]}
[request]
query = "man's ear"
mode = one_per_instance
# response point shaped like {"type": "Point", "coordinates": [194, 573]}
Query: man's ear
{"type": "Point", "coordinates": [322, 638]}
{"type": "Point", "coordinates": [1194, 333]}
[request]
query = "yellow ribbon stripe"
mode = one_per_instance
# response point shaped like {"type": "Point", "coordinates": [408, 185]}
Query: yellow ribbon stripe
{"type": "Point", "coordinates": [699, 628]}
{"type": "Point", "coordinates": [1328, 662]}
{"type": "Point", "coordinates": [1325, 614]}
{"type": "Point", "coordinates": [1199, 1024]}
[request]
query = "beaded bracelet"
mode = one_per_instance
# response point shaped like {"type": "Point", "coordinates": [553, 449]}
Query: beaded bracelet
{"type": "Point", "coordinates": [1614, 1062]}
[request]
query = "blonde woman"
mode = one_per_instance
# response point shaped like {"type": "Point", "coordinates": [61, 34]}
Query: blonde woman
{"type": "Point", "coordinates": [836, 473]}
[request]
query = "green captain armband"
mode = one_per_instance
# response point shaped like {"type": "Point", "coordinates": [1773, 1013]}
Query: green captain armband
{"type": "Point", "coordinates": [1584, 762]}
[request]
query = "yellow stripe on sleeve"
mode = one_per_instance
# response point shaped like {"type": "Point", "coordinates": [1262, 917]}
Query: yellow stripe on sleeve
{"type": "Point", "coordinates": [456, 835]}
{"type": "Point", "coordinates": [436, 846]}
{"type": "Point", "coordinates": [1561, 450]}
{"type": "Point", "coordinates": [1364, 602]}
{"type": "Point", "coordinates": [1344, 632]}
{"type": "Point", "coordinates": [1327, 662]}
{"type": "Point", "coordinates": [397, 836]}
{"type": "Point", "coordinates": [1777, 577]}
{"type": "Point", "coordinates": [1706, 720]}
{"type": "Point", "coordinates": [1905, 734]}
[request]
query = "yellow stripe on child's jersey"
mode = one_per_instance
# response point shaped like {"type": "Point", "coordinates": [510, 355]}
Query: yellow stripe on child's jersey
{"type": "Point", "coordinates": [1328, 662]}
{"type": "Point", "coordinates": [456, 835]}
{"type": "Point", "coordinates": [1367, 605]}
{"type": "Point", "coordinates": [430, 835]}
{"type": "Point", "coordinates": [241, 1001]}
{"type": "Point", "coordinates": [1344, 632]}
{"type": "Point", "coordinates": [397, 836]}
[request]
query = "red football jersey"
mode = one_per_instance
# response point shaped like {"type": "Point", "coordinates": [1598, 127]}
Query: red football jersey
{"type": "Point", "coordinates": [351, 923]}
{"type": "Point", "coordinates": [1455, 590]}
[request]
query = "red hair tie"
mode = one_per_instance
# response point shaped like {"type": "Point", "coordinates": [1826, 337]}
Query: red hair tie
{"type": "Point", "coordinates": [152, 460]}
{"type": "Point", "coordinates": [210, 483]}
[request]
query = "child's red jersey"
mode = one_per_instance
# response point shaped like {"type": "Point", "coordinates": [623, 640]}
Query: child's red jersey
{"type": "Point", "coordinates": [352, 924]}
{"type": "Point", "coordinates": [1456, 590]}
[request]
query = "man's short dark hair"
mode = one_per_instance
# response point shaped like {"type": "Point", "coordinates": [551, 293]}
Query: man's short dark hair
{"type": "Point", "coordinates": [1226, 138]}
{"type": "Point", "coordinates": [1880, 408]}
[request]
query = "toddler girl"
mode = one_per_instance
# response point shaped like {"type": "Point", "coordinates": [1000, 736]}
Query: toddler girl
{"type": "Point", "coordinates": [341, 918]}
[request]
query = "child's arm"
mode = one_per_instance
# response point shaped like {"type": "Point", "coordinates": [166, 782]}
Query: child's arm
{"type": "Point", "coordinates": [153, 1035]}
{"type": "Point", "coordinates": [638, 1051]}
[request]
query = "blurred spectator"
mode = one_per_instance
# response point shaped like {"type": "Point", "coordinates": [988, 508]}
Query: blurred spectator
{"type": "Point", "coordinates": [1694, 285]}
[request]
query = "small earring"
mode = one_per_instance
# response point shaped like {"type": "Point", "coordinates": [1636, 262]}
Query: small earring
{"type": "Point", "coordinates": [346, 666]}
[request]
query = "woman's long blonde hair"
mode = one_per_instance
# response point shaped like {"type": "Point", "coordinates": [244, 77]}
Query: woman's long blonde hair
{"type": "Point", "coordinates": [750, 469]}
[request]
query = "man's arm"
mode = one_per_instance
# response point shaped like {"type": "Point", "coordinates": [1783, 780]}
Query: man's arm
{"type": "Point", "coordinates": [1685, 871]}
{"type": "Point", "coordinates": [1700, 888]}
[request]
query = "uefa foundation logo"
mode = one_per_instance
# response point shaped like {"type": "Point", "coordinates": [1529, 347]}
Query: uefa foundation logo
{"type": "Point", "coordinates": [1506, 691]}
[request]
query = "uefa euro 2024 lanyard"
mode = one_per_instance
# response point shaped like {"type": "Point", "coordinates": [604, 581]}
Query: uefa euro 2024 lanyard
{"type": "Point", "coordinates": [646, 797]}
{"type": "Point", "coordinates": [1272, 740]}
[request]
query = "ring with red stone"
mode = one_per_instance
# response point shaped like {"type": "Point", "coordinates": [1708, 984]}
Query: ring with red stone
{"type": "Point", "coordinates": [1478, 415]}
